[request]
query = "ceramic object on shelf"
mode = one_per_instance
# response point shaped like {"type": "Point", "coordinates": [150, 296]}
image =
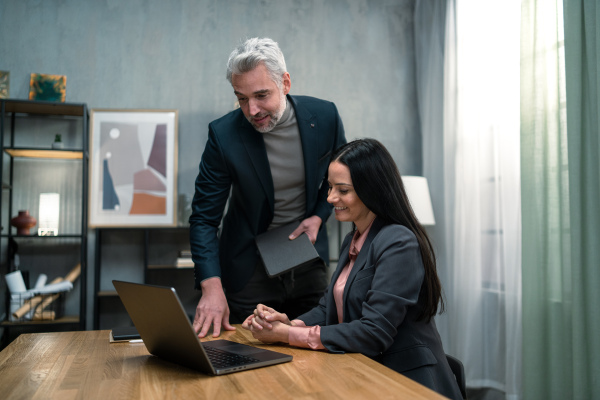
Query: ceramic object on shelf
{"type": "Point", "coordinates": [23, 222]}
{"type": "Point", "coordinates": [57, 144]}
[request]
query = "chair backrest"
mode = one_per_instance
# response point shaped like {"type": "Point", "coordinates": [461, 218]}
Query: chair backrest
{"type": "Point", "coordinates": [459, 372]}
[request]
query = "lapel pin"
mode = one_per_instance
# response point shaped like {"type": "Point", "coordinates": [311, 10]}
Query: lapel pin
{"type": "Point", "coordinates": [312, 125]}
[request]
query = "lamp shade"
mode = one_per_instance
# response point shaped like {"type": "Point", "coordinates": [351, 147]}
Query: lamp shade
{"type": "Point", "coordinates": [417, 191]}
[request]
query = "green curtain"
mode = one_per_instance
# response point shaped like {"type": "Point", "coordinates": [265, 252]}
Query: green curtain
{"type": "Point", "coordinates": [560, 165]}
{"type": "Point", "coordinates": [582, 62]}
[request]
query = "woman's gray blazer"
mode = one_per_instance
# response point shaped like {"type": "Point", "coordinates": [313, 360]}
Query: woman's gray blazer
{"type": "Point", "coordinates": [381, 305]}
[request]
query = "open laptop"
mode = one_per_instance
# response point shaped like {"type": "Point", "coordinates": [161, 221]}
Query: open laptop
{"type": "Point", "coordinates": [167, 333]}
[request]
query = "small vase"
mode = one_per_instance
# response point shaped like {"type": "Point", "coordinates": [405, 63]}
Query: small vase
{"type": "Point", "coordinates": [57, 144]}
{"type": "Point", "coordinates": [23, 222]}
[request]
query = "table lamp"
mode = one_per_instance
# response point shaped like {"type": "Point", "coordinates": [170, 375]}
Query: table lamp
{"type": "Point", "coordinates": [417, 191]}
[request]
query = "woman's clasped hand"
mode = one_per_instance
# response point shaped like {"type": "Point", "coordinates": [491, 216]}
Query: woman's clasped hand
{"type": "Point", "coordinates": [268, 325]}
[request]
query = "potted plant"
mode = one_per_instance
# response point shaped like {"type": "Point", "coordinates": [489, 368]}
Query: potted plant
{"type": "Point", "coordinates": [57, 144]}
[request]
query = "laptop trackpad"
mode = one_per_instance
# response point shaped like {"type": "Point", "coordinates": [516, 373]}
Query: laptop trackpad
{"type": "Point", "coordinates": [233, 347]}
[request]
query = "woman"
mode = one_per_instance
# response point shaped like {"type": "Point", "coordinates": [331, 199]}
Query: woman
{"type": "Point", "coordinates": [385, 291]}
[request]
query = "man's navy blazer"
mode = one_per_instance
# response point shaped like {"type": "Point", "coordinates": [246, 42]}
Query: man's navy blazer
{"type": "Point", "coordinates": [381, 303]}
{"type": "Point", "coordinates": [235, 166]}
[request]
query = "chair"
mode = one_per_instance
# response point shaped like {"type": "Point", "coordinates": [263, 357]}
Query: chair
{"type": "Point", "coordinates": [459, 373]}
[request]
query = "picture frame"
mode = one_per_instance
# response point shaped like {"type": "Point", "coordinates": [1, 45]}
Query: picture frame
{"type": "Point", "coordinates": [48, 87]}
{"type": "Point", "coordinates": [4, 84]}
{"type": "Point", "coordinates": [133, 168]}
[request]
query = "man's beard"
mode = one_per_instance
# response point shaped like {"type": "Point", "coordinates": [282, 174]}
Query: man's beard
{"type": "Point", "coordinates": [275, 116]}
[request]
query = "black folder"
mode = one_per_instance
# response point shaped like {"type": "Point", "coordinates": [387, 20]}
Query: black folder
{"type": "Point", "coordinates": [124, 334]}
{"type": "Point", "coordinates": [280, 254]}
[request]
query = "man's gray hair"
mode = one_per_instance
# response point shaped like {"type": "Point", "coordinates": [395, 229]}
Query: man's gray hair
{"type": "Point", "coordinates": [254, 51]}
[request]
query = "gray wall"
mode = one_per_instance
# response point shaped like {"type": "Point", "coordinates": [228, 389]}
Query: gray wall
{"type": "Point", "coordinates": [171, 54]}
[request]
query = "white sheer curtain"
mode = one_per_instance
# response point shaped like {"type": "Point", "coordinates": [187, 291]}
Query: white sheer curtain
{"type": "Point", "coordinates": [482, 155]}
{"type": "Point", "coordinates": [472, 162]}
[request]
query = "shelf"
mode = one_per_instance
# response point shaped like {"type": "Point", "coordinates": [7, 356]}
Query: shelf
{"type": "Point", "coordinates": [108, 293]}
{"type": "Point", "coordinates": [44, 107]}
{"type": "Point", "coordinates": [37, 237]}
{"type": "Point", "coordinates": [160, 248]}
{"type": "Point", "coordinates": [168, 267]}
{"type": "Point", "coordinates": [27, 130]}
{"type": "Point", "coordinates": [67, 319]}
{"type": "Point", "coordinates": [39, 153]}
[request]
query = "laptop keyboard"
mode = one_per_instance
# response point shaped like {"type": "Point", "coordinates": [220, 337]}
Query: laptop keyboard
{"type": "Point", "coordinates": [224, 359]}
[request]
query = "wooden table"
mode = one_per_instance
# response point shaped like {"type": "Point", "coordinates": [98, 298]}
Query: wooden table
{"type": "Point", "coordinates": [84, 365]}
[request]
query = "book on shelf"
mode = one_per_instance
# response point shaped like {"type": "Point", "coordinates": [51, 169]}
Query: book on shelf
{"type": "Point", "coordinates": [185, 253]}
{"type": "Point", "coordinates": [184, 262]}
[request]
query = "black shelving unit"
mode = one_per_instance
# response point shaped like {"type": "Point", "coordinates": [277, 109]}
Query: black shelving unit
{"type": "Point", "coordinates": [144, 255]}
{"type": "Point", "coordinates": [30, 166]}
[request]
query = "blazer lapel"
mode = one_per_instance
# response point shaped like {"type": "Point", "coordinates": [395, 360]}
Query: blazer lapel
{"type": "Point", "coordinates": [361, 260]}
{"type": "Point", "coordinates": [309, 131]}
{"type": "Point", "coordinates": [255, 146]}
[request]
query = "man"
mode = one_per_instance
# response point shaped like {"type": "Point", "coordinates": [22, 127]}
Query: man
{"type": "Point", "coordinates": [270, 159]}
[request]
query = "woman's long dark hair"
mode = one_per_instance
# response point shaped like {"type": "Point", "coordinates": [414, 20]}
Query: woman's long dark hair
{"type": "Point", "coordinates": [378, 184]}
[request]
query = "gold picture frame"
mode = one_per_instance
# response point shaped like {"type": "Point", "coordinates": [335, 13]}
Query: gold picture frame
{"type": "Point", "coordinates": [133, 168]}
{"type": "Point", "coordinates": [48, 87]}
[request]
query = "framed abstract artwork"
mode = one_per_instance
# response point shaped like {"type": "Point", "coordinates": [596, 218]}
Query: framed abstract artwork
{"type": "Point", "coordinates": [48, 87]}
{"type": "Point", "coordinates": [133, 168]}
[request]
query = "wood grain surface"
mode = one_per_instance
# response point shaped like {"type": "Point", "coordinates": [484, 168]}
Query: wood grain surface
{"type": "Point", "coordinates": [84, 365]}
